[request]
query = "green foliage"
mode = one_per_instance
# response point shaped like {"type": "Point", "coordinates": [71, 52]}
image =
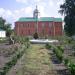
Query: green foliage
{"type": "Point", "coordinates": [66, 61]}
{"type": "Point", "coordinates": [48, 46]}
{"type": "Point", "coordinates": [70, 65]}
{"type": "Point", "coordinates": [59, 53]}
{"type": "Point", "coordinates": [3, 40]}
{"type": "Point", "coordinates": [72, 68]}
{"type": "Point", "coordinates": [2, 23]}
{"type": "Point", "coordinates": [6, 27]}
{"type": "Point", "coordinates": [35, 36]}
{"type": "Point", "coordinates": [60, 48]}
{"type": "Point", "coordinates": [20, 39]}
{"type": "Point", "coordinates": [68, 8]}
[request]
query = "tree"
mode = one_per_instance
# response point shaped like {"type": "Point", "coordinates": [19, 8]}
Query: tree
{"type": "Point", "coordinates": [2, 23]}
{"type": "Point", "coordinates": [68, 9]}
{"type": "Point", "coordinates": [6, 27]}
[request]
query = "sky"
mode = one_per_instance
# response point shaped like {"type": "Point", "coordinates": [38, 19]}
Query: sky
{"type": "Point", "coordinates": [12, 10]}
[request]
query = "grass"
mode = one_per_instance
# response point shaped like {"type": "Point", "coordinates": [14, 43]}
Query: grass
{"type": "Point", "coordinates": [36, 62]}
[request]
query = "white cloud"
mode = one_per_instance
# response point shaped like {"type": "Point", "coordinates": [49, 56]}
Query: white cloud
{"type": "Point", "coordinates": [28, 10]}
{"type": "Point", "coordinates": [21, 1]}
{"type": "Point", "coordinates": [1, 11]}
{"type": "Point", "coordinates": [27, 1]}
{"type": "Point", "coordinates": [9, 12]}
{"type": "Point", "coordinates": [15, 13]}
{"type": "Point", "coordinates": [60, 2]}
{"type": "Point", "coordinates": [51, 3]}
{"type": "Point", "coordinates": [5, 13]}
{"type": "Point", "coordinates": [12, 16]}
{"type": "Point", "coordinates": [42, 11]}
{"type": "Point", "coordinates": [38, 1]}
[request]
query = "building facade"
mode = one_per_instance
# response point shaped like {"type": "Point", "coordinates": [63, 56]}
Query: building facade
{"type": "Point", "coordinates": [2, 33]}
{"type": "Point", "coordinates": [44, 26]}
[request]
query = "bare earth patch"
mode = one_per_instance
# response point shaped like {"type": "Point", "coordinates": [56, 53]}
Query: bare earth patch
{"type": "Point", "coordinates": [6, 52]}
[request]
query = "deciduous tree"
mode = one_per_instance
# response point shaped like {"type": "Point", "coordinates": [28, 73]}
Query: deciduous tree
{"type": "Point", "coordinates": [68, 9]}
{"type": "Point", "coordinates": [6, 27]}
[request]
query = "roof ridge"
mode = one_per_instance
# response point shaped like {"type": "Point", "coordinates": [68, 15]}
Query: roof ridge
{"type": "Point", "coordinates": [22, 19]}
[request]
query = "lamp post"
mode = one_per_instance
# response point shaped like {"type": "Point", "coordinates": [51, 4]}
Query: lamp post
{"type": "Point", "coordinates": [36, 24]}
{"type": "Point", "coordinates": [43, 29]}
{"type": "Point", "coordinates": [35, 15]}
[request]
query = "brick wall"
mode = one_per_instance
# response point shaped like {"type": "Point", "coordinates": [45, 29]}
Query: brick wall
{"type": "Point", "coordinates": [44, 28]}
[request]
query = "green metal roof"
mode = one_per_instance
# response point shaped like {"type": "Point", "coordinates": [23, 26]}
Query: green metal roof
{"type": "Point", "coordinates": [27, 19]}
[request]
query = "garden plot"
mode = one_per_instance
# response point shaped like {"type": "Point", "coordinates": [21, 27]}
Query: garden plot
{"type": "Point", "coordinates": [6, 52]}
{"type": "Point", "coordinates": [35, 61]}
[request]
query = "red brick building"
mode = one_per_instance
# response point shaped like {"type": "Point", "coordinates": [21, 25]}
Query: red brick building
{"type": "Point", "coordinates": [27, 26]}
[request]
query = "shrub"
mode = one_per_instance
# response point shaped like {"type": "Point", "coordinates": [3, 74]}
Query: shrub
{"type": "Point", "coordinates": [48, 46]}
{"type": "Point", "coordinates": [72, 68]}
{"type": "Point", "coordinates": [35, 36]}
{"type": "Point", "coordinates": [66, 61]}
{"type": "Point", "coordinates": [58, 53]}
{"type": "Point", "coordinates": [54, 51]}
{"type": "Point", "coordinates": [70, 65]}
{"type": "Point", "coordinates": [60, 48]}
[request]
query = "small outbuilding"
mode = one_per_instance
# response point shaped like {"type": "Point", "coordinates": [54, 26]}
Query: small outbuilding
{"type": "Point", "coordinates": [2, 33]}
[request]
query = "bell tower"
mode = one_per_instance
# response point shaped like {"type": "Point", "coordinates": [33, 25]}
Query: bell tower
{"type": "Point", "coordinates": [35, 13]}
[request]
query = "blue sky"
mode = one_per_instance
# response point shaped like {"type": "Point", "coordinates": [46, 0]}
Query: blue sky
{"type": "Point", "coordinates": [12, 10]}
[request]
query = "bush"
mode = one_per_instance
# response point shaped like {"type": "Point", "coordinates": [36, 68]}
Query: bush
{"type": "Point", "coordinates": [66, 61]}
{"type": "Point", "coordinates": [60, 48]}
{"type": "Point", "coordinates": [72, 68]}
{"type": "Point", "coordinates": [59, 53]}
{"type": "Point", "coordinates": [70, 65]}
{"type": "Point", "coordinates": [48, 46]}
{"type": "Point", "coordinates": [35, 36]}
